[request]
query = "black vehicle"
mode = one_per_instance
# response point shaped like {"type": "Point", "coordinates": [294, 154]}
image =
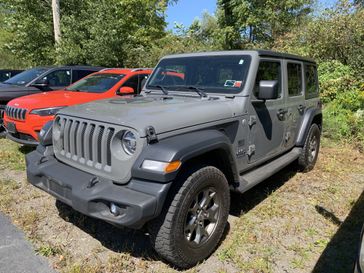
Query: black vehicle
{"type": "Point", "coordinates": [40, 79]}
{"type": "Point", "coordinates": [6, 74]}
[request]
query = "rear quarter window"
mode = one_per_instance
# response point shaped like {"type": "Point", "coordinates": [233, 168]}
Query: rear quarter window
{"type": "Point", "coordinates": [311, 81]}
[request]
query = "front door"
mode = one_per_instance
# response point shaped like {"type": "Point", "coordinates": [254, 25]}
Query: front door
{"type": "Point", "coordinates": [267, 119]}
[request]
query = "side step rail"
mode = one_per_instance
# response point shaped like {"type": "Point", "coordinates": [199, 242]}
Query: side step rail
{"type": "Point", "coordinates": [254, 177]}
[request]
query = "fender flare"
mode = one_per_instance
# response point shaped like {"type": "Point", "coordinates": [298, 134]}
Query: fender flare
{"type": "Point", "coordinates": [308, 117]}
{"type": "Point", "coordinates": [181, 147]}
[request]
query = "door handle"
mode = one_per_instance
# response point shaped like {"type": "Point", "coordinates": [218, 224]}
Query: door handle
{"type": "Point", "coordinates": [301, 108]}
{"type": "Point", "coordinates": [281, 113]}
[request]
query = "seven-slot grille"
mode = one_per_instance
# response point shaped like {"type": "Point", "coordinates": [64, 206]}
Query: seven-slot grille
{"type": "Point", "coordinates": [85, 142]}
{"type": "Point", "coordinates": [15, 113]}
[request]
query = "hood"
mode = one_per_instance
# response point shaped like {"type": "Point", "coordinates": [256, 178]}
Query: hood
{"type": "Point", "coordinates": [8, 91]}
{"type": "Point", "coordinates": [53, 99]}
{"type": "Point", "coordinates": [164, 114]}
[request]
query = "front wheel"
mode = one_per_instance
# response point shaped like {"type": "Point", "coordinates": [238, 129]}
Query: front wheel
{"type": "Point", "coordinates": [190, 228]}
{"type": "Point", "coordinates": [310, 150]}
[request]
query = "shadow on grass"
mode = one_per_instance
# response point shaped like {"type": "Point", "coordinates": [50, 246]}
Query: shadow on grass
{"type": "Point", "coordinates": [134, 242]}
{"type": "Point", "coordinates": [26, 149]}
{"type": "Point", "coordinates": [242, 203]}
{"type": "Point", "coordinates": [137, 243]}
{"type": "Point", "coordinates": [340, 254]}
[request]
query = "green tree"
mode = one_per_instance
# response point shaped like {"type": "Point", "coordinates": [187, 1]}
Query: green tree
{"type": "Point", "coordinates": [337, 34]}
{"type": "Point", "coordinates": [109, 33]}
{"type": "Point", "coordinates": [256, 22]}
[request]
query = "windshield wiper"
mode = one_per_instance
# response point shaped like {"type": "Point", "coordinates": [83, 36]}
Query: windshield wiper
{"type": "Point", "coordinates": [198, 90]}
{"type": "Point", "coordinates": [165, 92]}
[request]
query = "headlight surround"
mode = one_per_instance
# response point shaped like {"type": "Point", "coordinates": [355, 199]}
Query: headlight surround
{"type": "Point", "coordinates": [129, 142]}
{"type": "Point", "coordinates": [43, 112]}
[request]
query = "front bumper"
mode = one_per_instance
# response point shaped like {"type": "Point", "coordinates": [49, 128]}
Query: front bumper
{"type": "Point", "coordinates": [140, 201]}
{"type": "Point", "coordinates": [27, 130]}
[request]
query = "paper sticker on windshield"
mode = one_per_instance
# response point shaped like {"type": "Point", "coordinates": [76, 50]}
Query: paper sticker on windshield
{"type": "Point", "coordinates": [241, 61]}
{"type": "Point", "coordinates": [229, 83]}
{"type": "Point", "coordinates": [238, 84]}
{"type": "Point", "coordinates": [232, 83]}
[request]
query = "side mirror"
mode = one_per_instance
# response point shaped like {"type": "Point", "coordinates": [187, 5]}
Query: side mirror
{"type": "Point", "coordinates": [125, 91]}
{"type": "Point", "coordinates": [41, 83]}
{"type": "Point", "coordinates": [268, 90]}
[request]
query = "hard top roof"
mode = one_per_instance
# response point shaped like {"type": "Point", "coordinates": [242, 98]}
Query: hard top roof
{"type": "Point", "coordinates": [124, 70]}
{"type": "Point", "coordinates": [261, 53]}
{"type": "Point", "coordinates": [82, 67]}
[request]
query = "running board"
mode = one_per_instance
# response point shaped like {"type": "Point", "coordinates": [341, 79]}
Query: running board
{"type": "Point", "coordinates": [254, 177]}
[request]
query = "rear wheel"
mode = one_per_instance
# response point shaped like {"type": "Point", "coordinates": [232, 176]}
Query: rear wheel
{"type": "Point", "coordinates": [193, 223]}
{"type": "Point", "coordinates": [310, 150]}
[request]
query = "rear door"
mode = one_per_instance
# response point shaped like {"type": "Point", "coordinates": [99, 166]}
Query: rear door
{"type": "Point", "coordinates": [295, 100]}
{"type": "Point", "coordinates": [266, 119]}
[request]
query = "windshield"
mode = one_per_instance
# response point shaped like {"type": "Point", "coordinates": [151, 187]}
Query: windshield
{"type": "Point", "coordinates": [26, 76]}
{"type": "Point", "coordinates": [98, 83]}
{"type": "Point", "coordinates": [212, 74]}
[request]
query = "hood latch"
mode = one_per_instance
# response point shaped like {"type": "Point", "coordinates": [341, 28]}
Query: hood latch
{"type": "Point", "coordinates": [151, 135]}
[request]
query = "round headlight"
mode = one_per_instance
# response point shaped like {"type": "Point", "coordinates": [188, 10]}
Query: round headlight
{"type": "Point", "coordinates": [128, 142]}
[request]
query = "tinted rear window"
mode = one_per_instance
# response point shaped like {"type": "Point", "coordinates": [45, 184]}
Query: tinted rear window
{"type": "Point", "coordinates": [311, 80]}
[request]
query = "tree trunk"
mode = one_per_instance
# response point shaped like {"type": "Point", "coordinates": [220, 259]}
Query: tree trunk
{"type": "Point", "coordinates": [56, 21]}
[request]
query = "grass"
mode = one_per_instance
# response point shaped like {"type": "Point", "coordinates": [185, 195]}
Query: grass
{"type": "Point", "coordinates": [293, 222]}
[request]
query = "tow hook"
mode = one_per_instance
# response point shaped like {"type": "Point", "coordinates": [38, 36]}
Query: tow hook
{"type": "Point", "coordinates": [94, 180]}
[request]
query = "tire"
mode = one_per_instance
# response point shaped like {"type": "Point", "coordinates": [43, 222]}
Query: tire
{"type": "Point", "coordinates": [176, 241]}
{"type": "Point", "coordinates": [310, 150]}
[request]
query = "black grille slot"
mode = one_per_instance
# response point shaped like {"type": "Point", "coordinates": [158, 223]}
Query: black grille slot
{"type": "Point", "coordinates": [85, 142]}
{"type": "Point", "coordinates": [15, 113]}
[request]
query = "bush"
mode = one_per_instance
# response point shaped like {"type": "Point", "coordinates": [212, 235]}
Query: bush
{"type": "Point", "coordinates": [343, 95]}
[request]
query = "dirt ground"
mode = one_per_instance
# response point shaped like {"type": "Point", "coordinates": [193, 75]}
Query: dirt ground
{"type": "Point", "coordinates": [293, 222]}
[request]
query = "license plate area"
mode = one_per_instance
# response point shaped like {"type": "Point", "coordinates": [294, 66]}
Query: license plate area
{"type": "Point", "coordinates": [58, 189]}
{"type": "Point", "coordinates": [11, 127]}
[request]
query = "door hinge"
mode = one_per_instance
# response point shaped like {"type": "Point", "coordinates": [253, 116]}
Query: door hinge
{"type": "Point", "coordinates": [251, 150]}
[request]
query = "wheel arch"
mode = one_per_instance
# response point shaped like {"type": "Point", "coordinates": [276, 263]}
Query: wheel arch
{"type": "Point", "coordinates": [208, 147]}
{"type": "Point", "coordinates": [312, 115]}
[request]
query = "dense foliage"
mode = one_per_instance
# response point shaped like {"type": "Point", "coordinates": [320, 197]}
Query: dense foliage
{"type": "Point", "coordinates": [133, 33]}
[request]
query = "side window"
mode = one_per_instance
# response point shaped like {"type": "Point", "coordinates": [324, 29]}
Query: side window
{"type": "Point", "coordinates": [132, 82]}
{"type": "Point", "coordinates": [295, 83]}
{"type": "Point", "coordinates": [58, 78]}
{"type": "Point", "coordinates": [269, 71]}
{"type": "Point", "coordinates": [142, 80]}
{"type": "Point", "coordinates": [311, 83]}
{"type": "Point", "coordinates": [79, 74]}
{"type": "Point", "coordinates": [136, 82]}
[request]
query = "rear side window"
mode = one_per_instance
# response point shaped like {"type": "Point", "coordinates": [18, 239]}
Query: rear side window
{"type": "Point", "coordinates": [311, 81]}
{"type": "Point", "coordinates": [79, 74]}
{"type": "Point", "coordinates": [269, 71]}
{"type": "Point", "coordinates": [295, 82]}
{"type": "Point", "coordinates": [58, 78]}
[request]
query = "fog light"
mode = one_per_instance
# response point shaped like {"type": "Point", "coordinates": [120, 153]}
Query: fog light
{"type": "Point", "coordinates": [115, 209]}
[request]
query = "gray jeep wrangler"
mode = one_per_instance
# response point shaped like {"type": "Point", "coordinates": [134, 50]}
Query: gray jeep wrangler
{"type": "Point", "coordinates": [204, 125]}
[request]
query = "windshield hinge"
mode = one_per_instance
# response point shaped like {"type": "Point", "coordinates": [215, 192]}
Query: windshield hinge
{"type": "Point", "coordinates": [151, 135]}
